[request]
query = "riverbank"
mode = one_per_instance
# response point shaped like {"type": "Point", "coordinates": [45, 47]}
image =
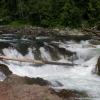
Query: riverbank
{"type": "Point", "coordinates": [65, 33]}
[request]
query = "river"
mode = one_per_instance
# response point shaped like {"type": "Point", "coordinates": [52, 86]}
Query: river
{"type": "Point", "coordinates": [80, 77]}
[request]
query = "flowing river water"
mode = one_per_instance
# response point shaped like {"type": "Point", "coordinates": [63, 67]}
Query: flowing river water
{"type": "Point", "coordinates": [78, 77]}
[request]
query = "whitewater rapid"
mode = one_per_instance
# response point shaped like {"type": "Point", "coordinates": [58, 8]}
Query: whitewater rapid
{"type": "Point", "coordinates": [80, 77]}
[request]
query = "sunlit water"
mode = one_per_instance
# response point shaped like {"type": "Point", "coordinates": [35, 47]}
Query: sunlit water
{"type": "Point", "coordinates": [78, 77]}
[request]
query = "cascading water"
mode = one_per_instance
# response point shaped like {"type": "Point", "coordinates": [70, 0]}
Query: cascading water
{"type": "Point", "coordinates": [79, 77]}
{"type": "Point", "coordinates": [2, 76]}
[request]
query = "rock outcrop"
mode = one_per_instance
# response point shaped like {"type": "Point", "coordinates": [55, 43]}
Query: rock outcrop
{"type": "Point", "coordinates": [26, 92]}
{"type": "Point", "coordinates": [5, 70]}
{"type": "Point", "coordinates": [98, 66]}
{"type": "Point", "coordinates": [71, 94]}
{"type": "Point", "coordinates": [14, 79]}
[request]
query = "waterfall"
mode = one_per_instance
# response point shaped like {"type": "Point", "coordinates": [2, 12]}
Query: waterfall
{"type": "Point", "coordinates": [45, 54]}
{"type": "Point", "coordinates": [2, 76]}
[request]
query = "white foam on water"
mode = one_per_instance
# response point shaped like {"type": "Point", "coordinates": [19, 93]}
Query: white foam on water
{"type": "Point", "coordinates": [45, 54]}
{"type": "Point", "coordinates": [78, 77]}
{"type": "Point", "coordinates": [2, 76]}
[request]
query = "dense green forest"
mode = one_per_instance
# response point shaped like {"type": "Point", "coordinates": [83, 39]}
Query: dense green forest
{"type": "Point", "coordinates": [50, 13]}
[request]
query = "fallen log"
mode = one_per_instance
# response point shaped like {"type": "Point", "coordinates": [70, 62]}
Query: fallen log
{"type": "Point", "coordinates": [58, 63]}
{"type": "Point", "coordinates": [38, 62]}
{"type": "Point", "coordinates": [96, 32]}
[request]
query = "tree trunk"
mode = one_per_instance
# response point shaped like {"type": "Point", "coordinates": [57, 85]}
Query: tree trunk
{"type": "Point", "coordinates": [39, 62]}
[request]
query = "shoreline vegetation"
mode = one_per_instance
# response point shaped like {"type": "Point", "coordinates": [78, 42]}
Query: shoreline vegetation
{"type": "Point", "coordinates": [64, 32]}
{"type": "Point", "coordinates": [50, 13]}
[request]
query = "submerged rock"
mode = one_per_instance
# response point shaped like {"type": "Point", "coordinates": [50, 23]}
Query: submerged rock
{"type": "Point", "coordinates": [62, 50]}
{"type": "Point", "coordinates": [4, 45]}
{"type": "Point", "coordinates": [53, 52]}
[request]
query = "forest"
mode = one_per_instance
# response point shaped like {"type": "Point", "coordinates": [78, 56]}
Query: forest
{"type": "Point", "coordinates": [49, 49]}
{"type": "Point", "coordinates": [50, 13]}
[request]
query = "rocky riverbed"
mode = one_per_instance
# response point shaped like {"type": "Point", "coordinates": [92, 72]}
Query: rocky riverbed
{"type": "Point", "coordinates": [51, 33]}
{"type": "Point", "coordinates": [26, 81]}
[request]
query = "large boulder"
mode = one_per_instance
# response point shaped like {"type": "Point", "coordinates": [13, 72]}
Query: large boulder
{"type": "Point", "coordinates": [26, 92]}
{"type": "Point", "coordinates": [98, 66]}
{"type": "Point", "coordinates": [70, 94]}
{"type": "Point", "coordinates": [4, 69]}
{"type": "Point", "coordinates": [14, 79]}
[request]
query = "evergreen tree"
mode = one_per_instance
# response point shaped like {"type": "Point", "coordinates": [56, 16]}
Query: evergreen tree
{"type": "Point", "coordinates": [51, 12]}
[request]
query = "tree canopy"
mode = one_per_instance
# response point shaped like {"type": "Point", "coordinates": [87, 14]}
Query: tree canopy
{"type": "Point", "coordinates": [50, 13]}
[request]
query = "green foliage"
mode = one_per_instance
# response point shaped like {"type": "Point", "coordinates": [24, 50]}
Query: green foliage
{"type": "Point", "coordinates": [18, 23]}
{"type": "Point", "coordinates": [50, 13]}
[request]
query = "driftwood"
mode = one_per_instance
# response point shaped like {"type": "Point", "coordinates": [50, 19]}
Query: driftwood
{"type": "Point", "coordinates": [96, 32]}
{"type": "Point", "coordinates": [39, 62]}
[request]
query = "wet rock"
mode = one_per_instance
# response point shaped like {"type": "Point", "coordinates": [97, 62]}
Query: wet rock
{"type": "Point", "coordinates": [98, 66]}
{"type": "Point", "coordinates": [72, 37]}
{"type": "Point", "coordinates": [25, 92]}
{"type": "Point", "coordinates": [14, 79]}
{"type": "Point", "coordinates": [4, 45]}
{"type": "Point", "coordinates": [22, 48]}
{"type": "Point", "coordinates": [63, 51]}
{"type": "Point", "coordinates": [5, 69]}
{"type": "Point", "coordinates": [70, 94]}
{"type": "Point", "coordinates": [36, 51]}
{"type": "Point", "coordinates": [95, 42]}
{"type": "Point", "coordinates": [37, 54]}
{"type": "Point", "coordinates": [53, 52]}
